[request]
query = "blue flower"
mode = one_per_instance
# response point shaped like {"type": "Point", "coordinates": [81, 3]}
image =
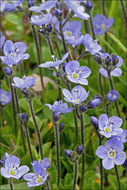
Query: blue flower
{"type": "Point", "coordinates": [111, 153]}
{"type": "Point", "coordinates": [38, 177]}
{"type": "Point", "coordinates": [44, 163]}
{"type": "Point", "coordinates": [2, 39]}
{"type": "Point", "coordinates": [7, 7]}
{"type": "Point", "coordinates": [121, 137]}
{"type": "Point", "coordinates": [110, 126]}
{"type": "Point", "coordinates": [101, 24]}
{"type": "Point", "coordinates": [91, 46]}
{"type": "Point", "coordinates": [77, 74]}
{"type": "Point", "coordinates": [60, 107]}
{"type": "Point", "coordinates": [76, 96]}
{"type": "Point", "coordinates": [79, 11]}
{"type": "Point", "coordinates": [14, 50]}
{"type": "Point", "coordinates": [40, 20]}
{"type": "Point", "coordinates": [5, 97]}
{"type": "Point", "coordinates": [94, 102]}
{"type": "Point", "coordinates": [72, 33]}
{"type": "Point", "coordinates": [23, 83]}
{"type": "Point", "coordinates": [114, 71]}
{"type": "Point", "coordinates": [44, 6]}
{"type": "Point", "coordinates": [12, 169]}
{"type": "Point", "coordinates": [112, 95]}
{"type": "Point", "coordinates": [52, 64]}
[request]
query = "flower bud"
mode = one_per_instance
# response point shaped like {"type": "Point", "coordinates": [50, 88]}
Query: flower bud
{"type": "Point", "coordinates": [112, 95]}
{"type": "Point", "coordinates": [61, 127]}
{"type": "Point", "coordinates": [24, 118]}
{"type": "Point", "coordinates": [93, 103]}
{"type": "Point", "coordinates": [107, 60]}
{"type": "Point", "coordinates": [98, 58]}
{"type": "Point", "coordinates": [58, 13]}
{"type": "Point", "coordinates": [25, 92]}
{"type": "Point", "coordinates": [69, 154]}
{"type": "Point", "coordinates": [82, 108]}
{"type": "Point", "coordinates": [79, 149]}
{"type": "Point", "coordinates": [8, 71]}
{"type": "Point", "coordinates": [115, 60]}
{"type": "Point", "coordinates": [31, 3]}
{"type": "Point", "coordinates": [88, 5]}
{"type": "Point", "coordinates": [49, 28]}
{"type": "Point", "coordinates": [94, 122]}
{"type": "Point", "coordinates": [56, 116]}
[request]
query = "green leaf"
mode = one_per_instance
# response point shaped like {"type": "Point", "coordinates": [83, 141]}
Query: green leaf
{"type": "Point", "coordinates": [119, 43]}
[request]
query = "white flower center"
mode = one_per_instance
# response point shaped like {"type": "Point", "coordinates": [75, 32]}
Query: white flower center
{"type": "Point", "coordinates": [13, 171]}
{"type": "Point", "coordinates": [38, 179]}
{"type": "Point", "coordinates": [103, 27]}
{"type": "Point", "coordinates": [68, 33]}
{"type": "Point", "coordinates": [108, 128]}
{"type": "Point", "coordinates": [75, 75]}
{"type": "Point", "coordinates": [112, 153]}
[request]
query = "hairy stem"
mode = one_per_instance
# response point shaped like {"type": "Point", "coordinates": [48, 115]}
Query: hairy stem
{"type": "Point", "coordinates": [124, 14]}
{"type": "Point", "coordinates": [75, 175]}
{"type": "Point", "coordinates": [2, 115]}
{"type": "Point", "coordinates": [57, 154]}
{"type": "Point", "coordinates": [36, 126]}
{"type": "Point", "coordinates": [92, 28]}
{"type": "Point", "coordinates": [20, 124]}
{"type": "Point", "coordinates": [13, 106]}
{"type": "Point", "coordinates": [11, 184]}
{"type": "Point", "coordinates": [117, 176]}
{"type": "Point", "coordinates": [83, 154]}
{"type": "Point", "coordinates": [76, 127]}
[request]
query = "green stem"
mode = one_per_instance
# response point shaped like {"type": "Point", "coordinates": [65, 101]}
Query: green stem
{"type": "Point", "coordinates": [2, 115]}
{"type": "Point", "coordinates": [83, 154]}
{"type": "Point", "coordinates": [75, 175]}
{"type": "Point", "coordinates": [76, 127]}
{"type": "Point", "coordinates": [13, 106]}
{"type": "Point", "coordinates": [117, 176]}
{"type": "Point", "coordinates": [11, 184]}
{"type": "Point", "coordinates": [101, 167]}
{"type": "Point", "coordinates": [36, 126]}
{"type": "Point", "coordinates": [57, 154]}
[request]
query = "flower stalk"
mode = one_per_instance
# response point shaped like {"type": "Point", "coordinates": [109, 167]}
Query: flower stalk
{"type": "Point", "coordinates": [117, 176]}
{"type": "Point", "coordinates": [75, 174]}
{"type": "Point", "coordinates": [11, 184]}
{"type": "Point", "coordinates": [2, 115]}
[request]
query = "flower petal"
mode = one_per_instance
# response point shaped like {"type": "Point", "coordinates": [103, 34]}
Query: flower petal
{"type": "Point", "coordinates": [29, 176]}
{"type": "Point", "coordinates": [116, 121]}
{"type": "Point", "coordinates": [116, 72]}
{"type": "Point", "coordinates": [102, 152]}
{"type": "Point", "coordinates": [103, 72]}
{"type": "Point", "coordinates": [12, 162]}
{"type": "Point", "coordinates": [108, 163]}
{"type": "Point", "coordinates": [21, 171]}
{"type": "Point", "coordinates": [103, 120]}
{"type": "Point", "coordinates": [5, 172]}
{"type": "Point", "coordinates": [120, 158]}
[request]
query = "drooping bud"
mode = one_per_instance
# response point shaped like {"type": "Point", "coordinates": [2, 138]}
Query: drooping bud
{"type": "Point", "coordinates": [61, 127]}
{"type": "Point", "coordinates": [79, 149]}
{"type": "Point", "coordinates": [115, 60]}
{"type": "Point", "coordinates": [94, 102]}
{"type": "Point", "coordinates": [82, 108]}
{"type": "Point", "coordinates": [107, 60]}
{"type": "Point", "coordinates": [8, 71]}
{"type": "Point", "coordinates": [89, 5]}
{"type": "Point", "coordinates": [69, 154]}
{"type": "Point", "coordinates": [94, 122]}
{"type": "Point", "coordinates": [98, 58]}
{"type": "Point", "coordinates": [58, 13]}
{"type": "Point", "coordinates": [24, 118]}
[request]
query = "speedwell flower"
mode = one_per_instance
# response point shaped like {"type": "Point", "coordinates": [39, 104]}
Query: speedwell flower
{"type": "Point", "coordinates": [14, 50]}
{"type": "Point", "coordinates": [122, 137]}
{"type": "Point", "coordinates": [11, 6]}
{"type": "Point", "coordinates": [12, 169]}
{"type": "Point", "coordinates": [76, 96]}
{"type": "Point", "coordinates": [40, 20]}
{"type": "Point", "coordinates": [59, 106]}
{"type": "Point", "coordinates": [78, 10]}
{"type": "Point", "coordinates": [111, 153]}
{"type": "Point", "coordinates": [110, 126]}
{"type": "Point", "coordinates": [101, 24]}
{"type": "Point", "coordinates": [52, 64]}
{"type": "Point", "coordinates": [23, 83]}
{"type": "Point", "coordinates": [43, 6]}
{"type": "Point", "coordinates": [77, 74]}
{"type": "Point", "coordinates": [91, 46]}
{"type": "Point", "coordinates": [38, 177]}
{"type": "Point", "coordinates": [112, 95]}
{"type": "Point", "coordinates": [5, 97]}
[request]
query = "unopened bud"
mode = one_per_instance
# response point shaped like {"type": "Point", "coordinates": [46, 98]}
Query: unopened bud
{"type": "Point", "coordinates": [94, 122]}
{"type": "Point", "coordinates": [79, 149]}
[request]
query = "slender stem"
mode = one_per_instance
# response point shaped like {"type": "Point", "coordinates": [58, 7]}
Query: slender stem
{"type": "Point", "coordinates": [2, 116]}
{"type": "Point", "coordinates": [92, 28]}
{"type": "Point", "coordinates": [76, 127]}
{"type": "Point", "coordinates": [38, 57]}
{"type": "Point", "coordinates": [11, 184]}
{"type": "Point", "coordinates": [117, 176]}
{"type": "Point", "coordinates": [101, 167]}
{"type": "Point", "coordinates": [20, 124]}
{"type": "Point", "coordinates": [13, 106]}
{"type": "Point", "coordinates": [83, 154]}
{"type": "Point", "coordinates": [75, 175]}
{"type": "Point", "coordinates": [103, 7]}
{"type": "Point", "coordinates": [57, 154]}
{"type": "Point", "coordinates": [124, 13]}
{"type": "Point", "coordinates": [36, 126]}
{"type": "Point", "coordinates": [28, 141]}
{"type": "Point", "coordinates": [58, 50]}
{"type": "Point", "coordinates": [52, 53]}
{"type": "Point", "coordinates": [48, 186]}
{"type": "Point", "coordinates": [112, 88]}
